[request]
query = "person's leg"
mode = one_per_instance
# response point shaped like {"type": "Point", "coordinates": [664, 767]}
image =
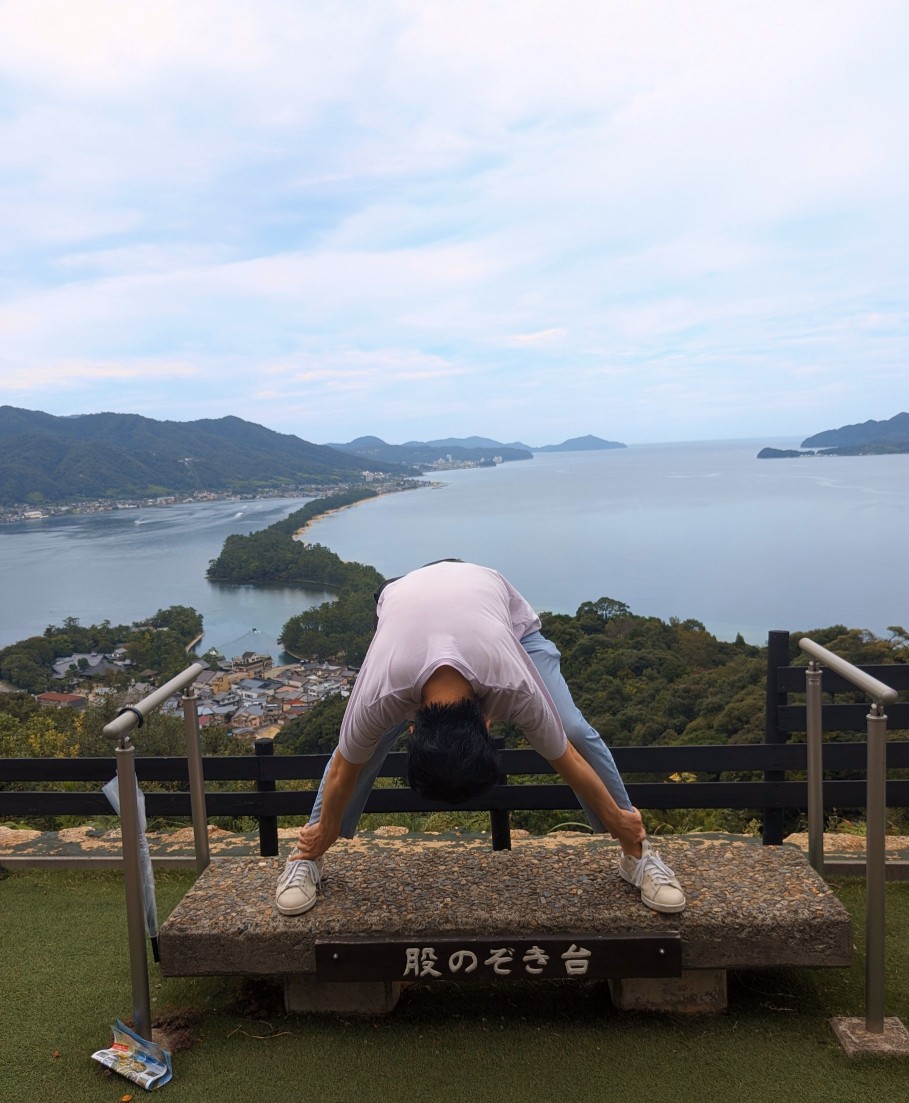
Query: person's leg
{"type": "Point", "coordinates": [659, 888]}
{"type": "Point", "coordinates": [364, 785]}
{"type": "Point", "coordinates": [297, 889]}
{"type": "Point", "coordinates": [586, 740]}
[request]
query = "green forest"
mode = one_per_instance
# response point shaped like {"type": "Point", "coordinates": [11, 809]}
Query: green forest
{"type": "Point", "coordinates": [271, 555]}
{"type": "Point", "coordinates": [640, 681]}
{"type": "Point", "coordinates": [48, 459]}
{"type": "Point", "coordinates": [158, 643]}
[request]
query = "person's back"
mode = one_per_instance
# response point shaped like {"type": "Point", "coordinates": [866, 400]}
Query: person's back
{"type": "Point", "coordinates": [456, 615]}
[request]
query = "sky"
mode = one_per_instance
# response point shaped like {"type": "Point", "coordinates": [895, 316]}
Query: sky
{"type": "Point", "coordinates": [528, 220]}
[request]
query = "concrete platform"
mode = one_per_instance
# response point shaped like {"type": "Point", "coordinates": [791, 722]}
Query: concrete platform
{"type": "Point", "coordinates": [749, 907]}
{"type": "Point", "coordinates": [857, 1041]}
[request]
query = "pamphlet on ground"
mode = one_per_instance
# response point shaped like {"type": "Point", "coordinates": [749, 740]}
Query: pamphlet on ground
{"type": "Point", "coordinates": [145, 1063]}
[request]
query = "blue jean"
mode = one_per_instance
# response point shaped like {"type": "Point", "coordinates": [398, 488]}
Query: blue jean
{"type": "Point", "coordinates": [586, 740]}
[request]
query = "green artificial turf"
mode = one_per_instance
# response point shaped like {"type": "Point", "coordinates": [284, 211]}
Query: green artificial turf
{"type": "Point", "coordinates": [65, 978]}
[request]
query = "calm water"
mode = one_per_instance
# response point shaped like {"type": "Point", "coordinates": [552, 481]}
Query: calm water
{"type": "Point", "coordinates": [125, 565]}
{"type": "Point", "coordinates": [695, 530]}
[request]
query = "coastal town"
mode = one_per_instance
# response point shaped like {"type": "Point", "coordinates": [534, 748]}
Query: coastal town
{"type": "Point", "coordinates": [248, 695]}
{"type": "Point", "coordinates": [381, 482]}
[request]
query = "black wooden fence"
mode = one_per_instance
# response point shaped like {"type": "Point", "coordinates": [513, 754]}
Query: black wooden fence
{"type": "Point", "coordinates": [768, 791]}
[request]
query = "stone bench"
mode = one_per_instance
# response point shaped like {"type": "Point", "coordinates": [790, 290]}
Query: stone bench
{"type": "Point", "coordinates": [423, 908]}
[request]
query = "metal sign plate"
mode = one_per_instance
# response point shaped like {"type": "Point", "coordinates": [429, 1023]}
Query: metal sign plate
{"type": "Point", "coordinates": [500, 957]}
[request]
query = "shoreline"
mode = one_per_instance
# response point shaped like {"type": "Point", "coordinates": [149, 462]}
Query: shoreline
{"type": "Point", "coordinates": [125, 505]}
{"type": "Point", "coordinates": [352, 505]}
{"type": "Point", "coordinates": [328, 512]}
{"type": "Point", "coordinates": [22, 513]}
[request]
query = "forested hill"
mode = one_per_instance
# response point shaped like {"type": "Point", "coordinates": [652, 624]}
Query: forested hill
{"type": "Point", "coordinates": [93, 456]}
{"type": "Point", "coordinates": [582, 444]}
{"type": "Point", "coordinates": [639, 680]}
{"type": "Point", "coordinates": [869, 438]}
{"type": "Point", "coordinates": [890, 435]}
{"type": "Point", "coordinates": [424, 453]}
{"type": "Point", "coordinates": [158, 643]}
{"type": "Point", "coordinates": [465, 449]}
{"type": "Point", "coordinates": [272, 555]}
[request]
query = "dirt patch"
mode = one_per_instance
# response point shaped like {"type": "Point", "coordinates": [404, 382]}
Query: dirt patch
{"type": "Point", "coordinates": [11, 837]}
{"type": "Point", "coordinates": [185, 836]}
{"type": "Point", "coordinates": [847, 844]}
{"type": "Point", "coordinates": [75, 834]}
{"type": "Point", "coordinates": [173, 1027]}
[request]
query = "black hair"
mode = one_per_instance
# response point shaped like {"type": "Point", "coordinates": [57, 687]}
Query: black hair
{"type": "Point", "coordinates": [450, 755]}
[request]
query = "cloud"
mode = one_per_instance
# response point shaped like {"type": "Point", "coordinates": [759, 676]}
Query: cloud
{"type": "Point", "coordinates": [356, 369]}
{"type": "Point", "coordinates": [79, 373]}
{"type": "Point", "coordinates": [543, 336]}
{"type": "Point", "coordinates": [508, 212]}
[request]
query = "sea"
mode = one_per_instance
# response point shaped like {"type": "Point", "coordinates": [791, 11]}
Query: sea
{"type": "Point", "coordinates": [701, 531]}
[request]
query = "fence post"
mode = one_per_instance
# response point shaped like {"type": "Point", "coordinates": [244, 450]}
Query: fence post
{"type": "Point", "coordinates": [268, 825]}
{"type": "Point", "coordinates": [500, 818]}
{"type": "Point", "coordinates": [777, 656]}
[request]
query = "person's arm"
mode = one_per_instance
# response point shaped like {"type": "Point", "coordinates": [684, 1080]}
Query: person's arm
{"type": "Point", "coordinates": [316, 838]}
{"type": "Point", "coordinates": [627, 827]}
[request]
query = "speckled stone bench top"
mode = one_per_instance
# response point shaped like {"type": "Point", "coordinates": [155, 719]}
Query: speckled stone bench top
{"type": "Point", "coordinates": [749, 906]}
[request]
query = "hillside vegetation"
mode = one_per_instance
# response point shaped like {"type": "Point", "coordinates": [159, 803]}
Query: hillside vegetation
{"type": "Point", "coordinates": [272, 555]}
{"type": "Point", "coordinates": [639, 680]}
{"type": "Point", "coordinates": [889, 435]}
{"type": "Point", "coordinates": [47, 459]}
{"type": "Point", "coordinates": [158, 643]}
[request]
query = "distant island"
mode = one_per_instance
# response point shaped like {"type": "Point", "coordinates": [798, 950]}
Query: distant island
{"type": "Point", "coordinates": [581, 444]}
{"type": "Point", "coordinates": [431, 455]}
{"type": "Point", "coordinates": [451, 450]}
{"type": "Point", "coordinates": [870, 438]}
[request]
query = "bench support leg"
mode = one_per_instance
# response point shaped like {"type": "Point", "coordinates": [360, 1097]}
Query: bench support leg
{"type": "Point", "coordinates": [696, 991]}
{"type": "Point", "coordinates": [303, 992]}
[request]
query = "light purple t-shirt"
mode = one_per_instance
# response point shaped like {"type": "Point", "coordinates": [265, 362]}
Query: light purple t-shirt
{"type": "Point", "coordinates": [458, 615]}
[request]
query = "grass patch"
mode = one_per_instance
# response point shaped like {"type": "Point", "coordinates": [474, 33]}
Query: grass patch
{"type": "Point", "coordinates": [66, 978]}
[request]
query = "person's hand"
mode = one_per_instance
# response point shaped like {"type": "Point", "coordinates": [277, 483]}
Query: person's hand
{"type": "Point", "coordinates": [629, 830]}
{"type": "Point", "coordinates": [313, 840]}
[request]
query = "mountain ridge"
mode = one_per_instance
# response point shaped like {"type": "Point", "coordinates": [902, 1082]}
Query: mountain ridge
{"type": "Point", "coordinates": [894, 430]}
{"type": "Point", "coordinates": [866, 438]}
{"type": "Point", "coordinates": [466, 448]}
{"type": "Point", "coordinates": [50, 459]}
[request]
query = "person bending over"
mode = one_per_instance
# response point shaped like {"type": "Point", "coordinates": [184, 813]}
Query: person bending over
{"type": "Point", "coordinates": [456, 648]}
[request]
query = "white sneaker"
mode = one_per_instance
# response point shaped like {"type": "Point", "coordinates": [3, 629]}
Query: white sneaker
{"type": "Point", "coordinates": [649, 873]}
{"type": "Point", "coordinates": [297, 886]}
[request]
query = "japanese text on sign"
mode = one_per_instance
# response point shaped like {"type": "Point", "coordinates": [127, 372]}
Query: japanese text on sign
{"type": "Point", "coordinates": [502, 961]}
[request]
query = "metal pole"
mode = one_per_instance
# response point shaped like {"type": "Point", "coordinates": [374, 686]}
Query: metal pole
{"type": "Point", "coordinates": [814, 725]}
{"type": "Point", "coordinates": [132, 876]}
{"type": "Point", "coordinates": [196, 779]}
{"type": "Point", "coordinates": [130, 717]}
{"type": "Point", "coordinates": [875, 817]}
{"type": "Point", "coordinates": [876, 690]}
